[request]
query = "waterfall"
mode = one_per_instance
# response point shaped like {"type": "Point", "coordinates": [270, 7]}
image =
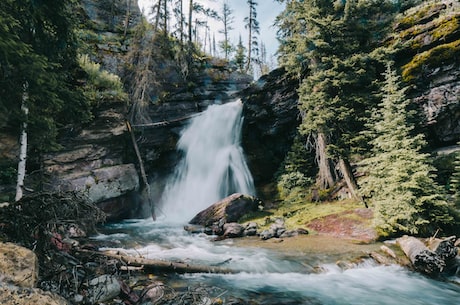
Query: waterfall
{"type": "Point", "coordinates": [213, 164]}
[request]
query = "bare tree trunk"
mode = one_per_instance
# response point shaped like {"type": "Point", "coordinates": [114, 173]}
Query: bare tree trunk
{"type": "Point", "coordinates": [157, 17]}
{"type": "Point", "coordinates": [190, 23]}
{"type": "Point", "coordinates": [181, 24]}
{"type": "Point", "coordinates": [165, 9]}
{"type": "Point", "coordinates": [325, 178]}
{"type": "Point", "coordinates": [350, 180]}
{"type": "Point", "coordinates": [157, 265]}
{"type": "Point", "coordinates": [23, 144]}
{"type": "Point", "coordinates": [145, 192]}
{"type": "Point", "coordinates": [249, 39]}
{"type": "Point", "coordinates": [190, 42]}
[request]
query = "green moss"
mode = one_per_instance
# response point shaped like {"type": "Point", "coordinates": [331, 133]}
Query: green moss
{"type": "Point", "coordinates": [447, 27]}
{"type": "Point", "coordinates": [440, 30]}
{"type": "Point", "coordinates": [419, 14]}
{"type": "Point", "coordinates": [300, 213]}
{"type": "Point", "coordinates": [429, 59]}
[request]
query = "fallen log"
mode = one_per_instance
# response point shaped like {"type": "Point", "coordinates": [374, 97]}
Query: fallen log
{"type": "Point", "coordinates": [148, 265]}
{"type": "Point", "coordinates": [445, 248]}
{"type": "Point", "coordinates": [422, 258]}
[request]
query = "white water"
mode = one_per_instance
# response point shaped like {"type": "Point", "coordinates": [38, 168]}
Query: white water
{"type": "Point", "coordinates": [213, 164]}
{"type": "Point", "coordinates": [274, 278]}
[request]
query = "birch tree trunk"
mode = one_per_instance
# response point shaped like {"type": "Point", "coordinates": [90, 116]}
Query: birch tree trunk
{"type": "Point", "coordinates": [23, 144]}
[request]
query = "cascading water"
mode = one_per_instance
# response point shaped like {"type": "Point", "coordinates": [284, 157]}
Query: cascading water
{"type": "Point", "coordinates": [213, 164]}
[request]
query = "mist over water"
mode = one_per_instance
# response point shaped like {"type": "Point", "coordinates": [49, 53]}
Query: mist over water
{"type": "Point", "coordinates": [213, 164]}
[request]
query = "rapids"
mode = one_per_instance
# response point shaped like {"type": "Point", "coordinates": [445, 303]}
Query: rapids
{"type": "Point", "coordinates": [273, 277]}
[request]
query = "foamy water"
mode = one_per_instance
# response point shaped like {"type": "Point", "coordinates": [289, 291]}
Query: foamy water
{"type": "Point", "coordinates": [213, 164]}
{"type": "Point", "coordinates": [270, 277]}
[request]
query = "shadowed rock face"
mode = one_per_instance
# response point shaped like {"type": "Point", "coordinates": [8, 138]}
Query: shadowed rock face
{"type": "Point", "coordinates": [270, 123]}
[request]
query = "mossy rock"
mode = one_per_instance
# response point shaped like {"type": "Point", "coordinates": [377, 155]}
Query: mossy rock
{"type": "Point", "coordinates": [435, 57]}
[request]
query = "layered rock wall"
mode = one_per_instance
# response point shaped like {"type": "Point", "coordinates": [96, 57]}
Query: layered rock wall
{"type": "Point", "coordinates": [428, 40]}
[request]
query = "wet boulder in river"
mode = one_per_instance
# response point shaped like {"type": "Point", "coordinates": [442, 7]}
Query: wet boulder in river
{"type": "Point", "coordinates": [229, 209]}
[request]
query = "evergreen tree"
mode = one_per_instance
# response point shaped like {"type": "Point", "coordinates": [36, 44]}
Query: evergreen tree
{"type": "Point", "coordinates": [38, 78]}
{"type": "Point", "coordinates": [400, 178]}
{"type": "Point", "coordinates": [328, 44]}
{"type": "Point", "coordinates": [43, 35]}
{"type": "Point", "coordinates": [227, 21]}
{"type": "Point", "coordinates": [240, 57]}
{"type": "Point", "coordinates": [180, 19]}
{"type": "Point", "coordinates": [455, 180]}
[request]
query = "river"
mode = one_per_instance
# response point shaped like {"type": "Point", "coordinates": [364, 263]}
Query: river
{"type": "Point", "coordinates": [305, 272]}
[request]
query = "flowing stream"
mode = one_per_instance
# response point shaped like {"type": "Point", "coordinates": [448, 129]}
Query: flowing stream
{"type": "Point", "coordinates": [305, 273]}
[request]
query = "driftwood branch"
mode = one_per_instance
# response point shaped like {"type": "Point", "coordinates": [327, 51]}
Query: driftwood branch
{"type": "Point", "coordinates": [146, 194]}
{"type": "Point", "coordinates": [146, 264]}
{"type": "Point", "coordinates": [164, 123]}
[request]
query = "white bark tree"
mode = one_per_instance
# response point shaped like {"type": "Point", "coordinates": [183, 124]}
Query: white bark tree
{"type": "Point", "coordinates": [23, 145]}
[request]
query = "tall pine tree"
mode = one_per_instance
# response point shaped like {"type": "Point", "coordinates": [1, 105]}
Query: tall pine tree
{"type": "Point", "coordinates": [400, 178]}
{"type": "Point", "coordinates": [328, 45]}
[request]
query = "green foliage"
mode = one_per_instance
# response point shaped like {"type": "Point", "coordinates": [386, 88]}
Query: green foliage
{"type": "Point", "coordinates": [8, 173]}
{"type": "Point", "coordinates": [290, 181]}
{"type": "Point", "coordinates": [400, 178]}
{"type": "Point", "coordinates": [100, 79]}
{"type": "Point", "coordinates": [40, 49]}
{"type": "Point", "coordinates": [330, 48]}
{"type": "Point", "coordinates": [298, 169]}
{"type": "Point", "coordinates": [445, 168]}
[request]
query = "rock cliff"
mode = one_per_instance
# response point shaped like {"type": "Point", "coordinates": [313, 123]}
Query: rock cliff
{"type": "Point", "coordinates": [270, 123]}
{"type": "Point", "coordinates": [428, 39]}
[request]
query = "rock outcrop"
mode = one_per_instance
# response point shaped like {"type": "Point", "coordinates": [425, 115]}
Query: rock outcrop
{"type": "Point", "coordinates": [19, 276]}
{"type": "Point", "coordinates": [429, 40]}
{"type": "Point", "coordinates": [18, 265]}
{"type": "Point", "coordinates": [270, 122]}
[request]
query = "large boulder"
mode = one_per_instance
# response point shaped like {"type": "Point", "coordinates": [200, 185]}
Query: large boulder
{"type": "Point", "coordinates": [19, 276]}
{"type": "Point", "coordinates": [103, 183]}
{"type": "Point", "coordinates": [26, 296]}
{"type": "Point", "coordinates": [18, 265]}
{"type": "Point", "coordinates": [229, 209]}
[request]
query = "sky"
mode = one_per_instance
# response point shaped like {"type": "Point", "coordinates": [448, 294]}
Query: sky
{"type": "Point", "coordinates": [267, 10]}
